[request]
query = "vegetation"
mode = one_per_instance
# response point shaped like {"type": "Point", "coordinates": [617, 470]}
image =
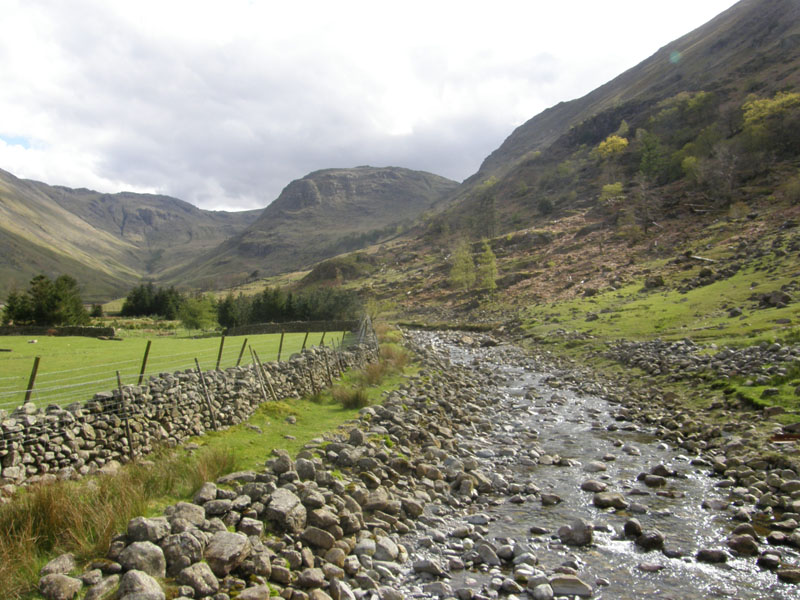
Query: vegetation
{"type": "Point", "coordinates": [147, 300]}
{"type": "Point", "coordinates": [46, 302]}
{"type": "Point", "coordinates": [275, 304]}
{"type": "Point", "coordinates": [462, 271]}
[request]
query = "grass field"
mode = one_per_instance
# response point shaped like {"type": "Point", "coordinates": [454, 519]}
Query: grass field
{"type": "Point", "coordinates": [74, 368]}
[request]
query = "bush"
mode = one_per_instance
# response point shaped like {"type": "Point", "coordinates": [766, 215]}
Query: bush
{"type": "Point", "coordinates": [350, 397]}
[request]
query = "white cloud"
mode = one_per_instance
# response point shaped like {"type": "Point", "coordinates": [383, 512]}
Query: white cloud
{"type": "Point", "coordinates": [223, 103]}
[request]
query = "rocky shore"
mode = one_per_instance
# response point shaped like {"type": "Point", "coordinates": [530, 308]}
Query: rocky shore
{"type": "Point", "coordinates": [451, 488]}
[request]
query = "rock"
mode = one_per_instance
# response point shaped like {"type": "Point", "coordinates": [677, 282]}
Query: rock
{"type": "Point", "coordinates": [633, 528]}
{"type": "Point", "coordinates": [181, 550]}
{"type": "Point", "coordinates": [439, 589]}
{"type": "Point", "coordinates": [578, 533]}
{"type": "Point", "coordinates": [145, 557]}
{"type": "Point", "coordinates": [311, 578]}
{"type": "Point", "coordinates": [789, 574]}
{"type": "Point", "coordinates": [339, 590]}
{"type": "Point", "coordinates": [318, 538]}
{"type": "Point", "coordinates": [104, 590]}
{"type": "Point", "coordinates": [542, 591]}
{"type": "Point", "coordinates": [570, 585]}
{"type": "Point", "coordinates": [711, 556]}
{"type": "Point", "coordinates": [148, 530]}
{"type": "Point", "coordinates": [743, 544]}
{"type": "Point", "coordinates": [385, 549]}
{"type": "Point", "coordinates": [200, 578]}
{"type": "Point", "coordinates": [258, 592]}
{"type": "Point", "coordinates": [430, 566]}
{"type": "Point", "coordinates": [138, 585]}
{"type": "Point", "coordinates": [592, 485]}
{"type": "Point", "coordinates": [286, 511]}
{"type": "Point", "coordinates": [60, 565]}
{"type": "Point", "coordinates": [650, 540]}
{"type": "Point", "coordinates": [57, 586]}
{"type": "Point", "coordinates": [206, 493]}
{"type": "Point", "coordinates": [226, 551]}
{"type": "Point", "coordinates": [610, 500]}
{"type": "Point", "coordinates": [550, 499]}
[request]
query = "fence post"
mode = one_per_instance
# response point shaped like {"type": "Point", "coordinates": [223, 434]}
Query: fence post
{"type": "Point", "coordinates": [144, 362]}
{"type": "Point", "coordinates": [305, 339]}
{"type": "Point", "coordinates": [205, 393]}
{"type": "Point", "coordinates": [261, 387]}
{"type": "Point", "coordinates": [241, 352]}
{"type": "Point", "coordinates": [266, 375]}
{"type": "Point", "coordinates": [125, 412]}
{"type": "Point", "coordinates": [219, 355]}
{"type": "Point", "coordinates": [327, 366]}
{"type": "Point", "coordinates": [280, 347]}
{"type": "Point", "coordinates": [311, 378]}
{"type": "Point", "coordinates": [322, 339]}
{"type": "Point", "coordinates": [32, 379]}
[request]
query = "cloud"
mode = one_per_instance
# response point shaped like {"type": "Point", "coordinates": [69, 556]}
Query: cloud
{"type": "Point", "coordinates": [222, 104]}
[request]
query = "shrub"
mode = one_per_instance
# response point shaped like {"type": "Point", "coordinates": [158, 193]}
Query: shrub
{"type": "Point", "coordinates": [350, 397]}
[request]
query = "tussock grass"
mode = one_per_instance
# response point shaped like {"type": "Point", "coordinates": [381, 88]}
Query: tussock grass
{"type": "Point", "coordinates": [350, 397]}
{"type": "Point", "coordinates": [82, 517]}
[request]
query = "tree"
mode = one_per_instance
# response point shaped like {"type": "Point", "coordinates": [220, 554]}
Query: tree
{"type": "Point", "coordinates": [772, 123]}
{"type": "Point", "coordinates": [610, 147]}
{"type": "Point", "coordinates": [643, 207]}
{"type": "Point", "coordinates": [198, 312]}
{"type": "Point", "coordinates": [612, 198]}
{"type": "Point", "coordinates": [47, 302]}
{"type": "Point", "coordinates": [462, 273]}
{"type": "Point", "coordinates": [487, 269]}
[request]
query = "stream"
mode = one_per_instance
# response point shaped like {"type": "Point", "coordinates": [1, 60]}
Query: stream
{"type": "Point", "coordinates": [547, 439]}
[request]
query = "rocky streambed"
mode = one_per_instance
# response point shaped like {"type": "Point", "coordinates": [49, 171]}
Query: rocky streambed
{"type": "Point", "coordinates": [494, 473]}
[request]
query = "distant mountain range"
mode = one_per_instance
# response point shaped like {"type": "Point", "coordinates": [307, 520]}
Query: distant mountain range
{"type": "Point", "coordinates": [682, 105]}
{"type": "Point", "coordinates": [110, 242]}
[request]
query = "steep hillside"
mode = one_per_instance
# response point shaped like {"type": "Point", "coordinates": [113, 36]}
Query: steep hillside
{"type": "Point", "coordinates": [323, 214]}
{"type": "Point", "coordinates": [753, 44]}
{"type": "Point", "coordinates": [108, 241]}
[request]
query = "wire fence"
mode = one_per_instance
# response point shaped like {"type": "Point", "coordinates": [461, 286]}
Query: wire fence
{"type": "Point", "coordinates": [82, 428]}
{"type": "Point", "coordinates": [62, 387]}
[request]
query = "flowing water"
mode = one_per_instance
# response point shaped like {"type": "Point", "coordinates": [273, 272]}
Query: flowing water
{"type": "Point", "coordinates": [567, 424]}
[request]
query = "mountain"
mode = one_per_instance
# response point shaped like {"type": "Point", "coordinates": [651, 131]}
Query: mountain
{"type": "Point", "coordinates": [318, 216]}
{"type": "Point", "coordinates": [753, 48]}
{"type": "Point", "coordinates": [109, 242]}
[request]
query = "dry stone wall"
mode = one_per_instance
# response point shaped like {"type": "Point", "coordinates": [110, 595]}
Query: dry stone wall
{"type": "Point", "coordinates": [65, 442]}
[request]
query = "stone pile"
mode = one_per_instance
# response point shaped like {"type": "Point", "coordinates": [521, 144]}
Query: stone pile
{"type": "Point", "coordinates": [685, 359]}
{"type": "Point", "coordinates": [65, 442]}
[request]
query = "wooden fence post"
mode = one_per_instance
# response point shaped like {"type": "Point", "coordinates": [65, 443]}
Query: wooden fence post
{"type": "Point", "coordinates": [208, 398]}
{"type": "Point", "coordinates": [241, 352]}
{"type": "Point", "coordinates": [219, 354]}
{"type": "Point", "coordinates": [32, 379]}
{"type": "Point", "coordinates": [305, 339]}
{"type": "Point", "coordinates": [327, 366]}
{"type": "Point", "coordinates": [144, 362]}
{"type": "Point", "coordinates": [259, 377]}
{"type": "Point", "coordinates": [322, 339]}
{"type": "Point", "coordinates": [280, 347]}
{"type": "Point", "coordinates": [127, 416]}
{"type": "Point", "coordinates": [266, 375]}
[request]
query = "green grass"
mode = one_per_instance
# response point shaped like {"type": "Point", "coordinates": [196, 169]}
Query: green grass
{"type": "Point", "coordinates": [74, 368]}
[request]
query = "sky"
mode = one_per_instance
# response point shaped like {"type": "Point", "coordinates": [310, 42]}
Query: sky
{"type": "Point", "coordinates": [223, 103]}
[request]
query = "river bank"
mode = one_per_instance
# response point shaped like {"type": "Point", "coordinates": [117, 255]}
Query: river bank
{"type": "Point", "coordinates": [493, 472]}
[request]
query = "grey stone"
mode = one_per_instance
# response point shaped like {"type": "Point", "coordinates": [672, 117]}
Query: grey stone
{"type": "Point", "coordinates": [153, 530]}
{"type": "Point", "coordinates": [318, 538]}
{"type": "Point", "coordinates": [226, 551]}
{"type": "Point", "coordinates": [138, 585]}
{"type": "Point", "coordinates": [570, 585]}
{"type": "Point", "coordinates": [104, 590]}
{"type": "Point", "coordinates": [286, 511]}
{"type": "Point", "coordinates": [61, 564]}
{"type": "Point", "coordinates": [145, 557]}
{"type": "Point", "coordinates": [200, 578]}
{"type": "Point", "coordinates": [57, 586]}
